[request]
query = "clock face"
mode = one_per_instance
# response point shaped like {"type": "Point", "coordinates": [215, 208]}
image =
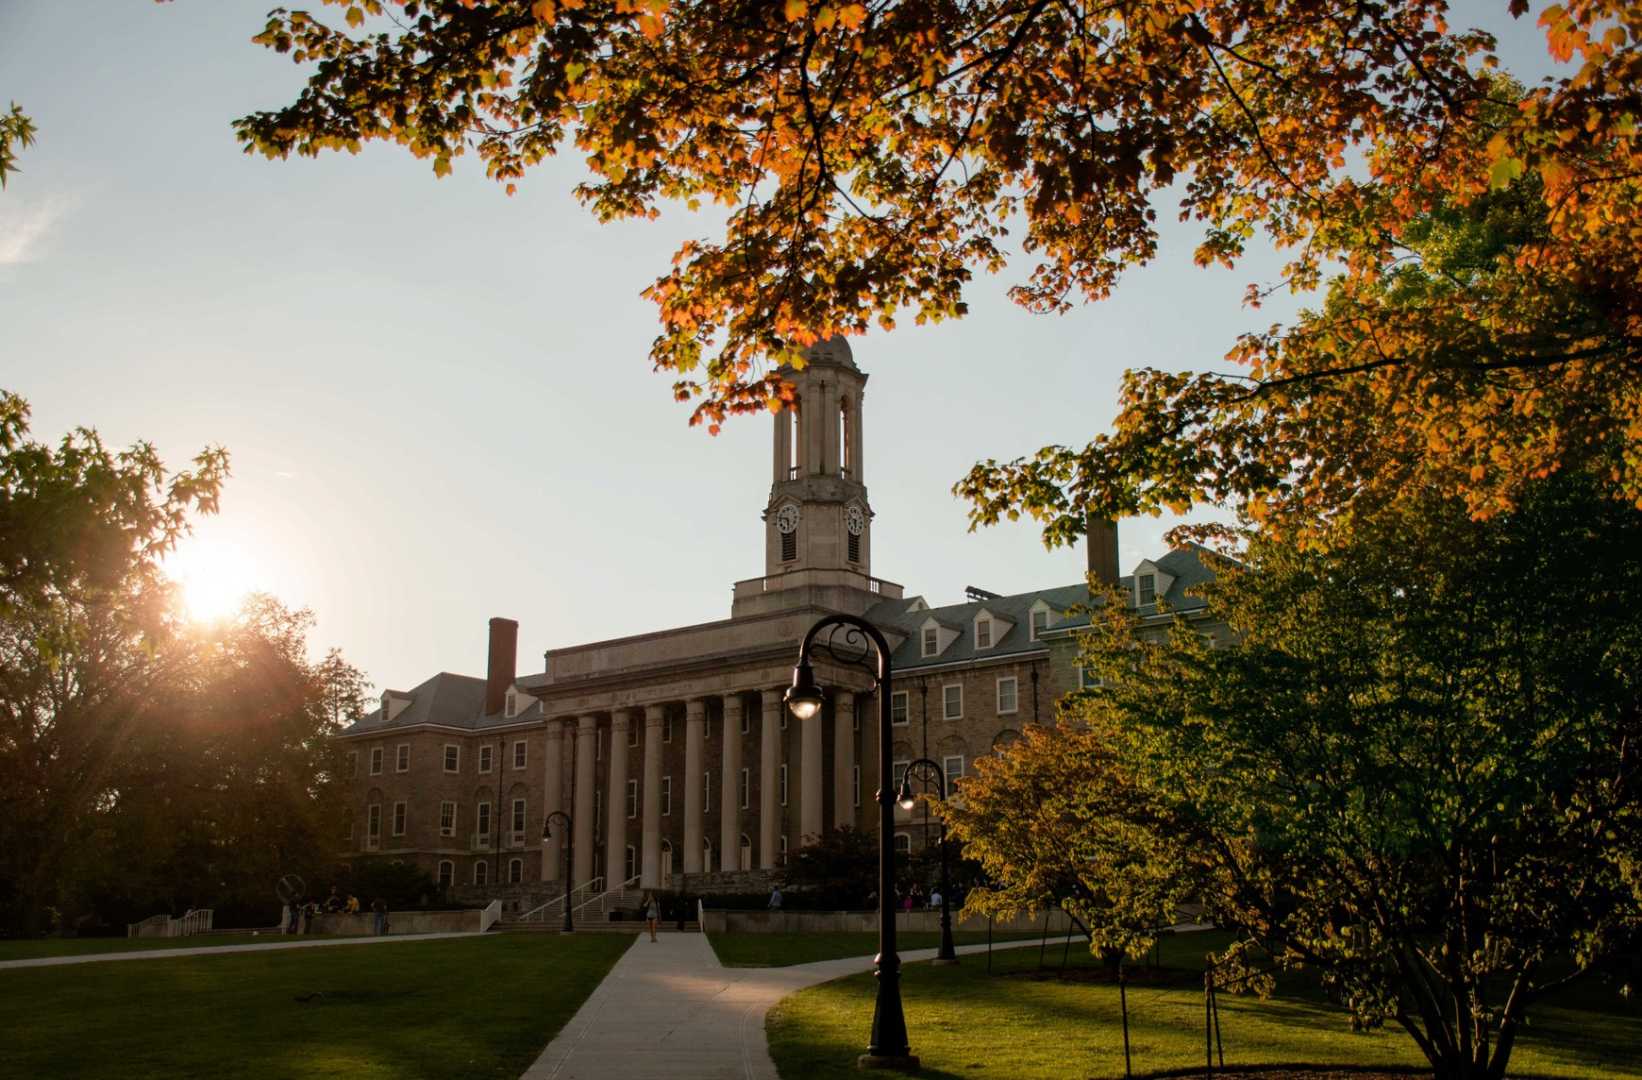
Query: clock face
{"type": "Point", "coordinates": [786, 518]}
{"type": "Point", "coordinates": [854, 520]}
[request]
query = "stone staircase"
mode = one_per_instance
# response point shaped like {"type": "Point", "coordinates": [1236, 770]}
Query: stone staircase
{"type": "Point", "coordinates": [590, 911]}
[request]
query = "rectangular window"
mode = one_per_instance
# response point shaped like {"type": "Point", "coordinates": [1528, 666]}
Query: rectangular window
{"type": "Point", "coordinates": [520, 753]}
{"type": "Point", "coordinates": [666, 796]}
{"type": "Point", "coordinates": [746, 787]}
{"type": "Point", "coordinates": [518, 817]}
{"type": "Point", "coordinates": [983, 633]}
{"type": "Point", "coordinates": [1148, 588]}
{"type": "Point", "coordinates": [484, 819]}
{"type": "Point", "coordinates": [855, 785]}
{"type": "Point", "coordinates": [512, 703]}
{"type": "Point", "coordinates": [401, 758]}
{"type": "Point", "coordinates": [855, 548]}
{"type": "Point", "coordinates": [1087, 680]}
{"type": "Point", "coordinates": [353, 764]}
{"type": "Point", "coordinates": [447, 819]}
{"type": "Point", "coordinates": [373, 821]}
{"type": "Point", "coordinates": [453, 757]}
{"type": "Point", "coordinates": [598, 814]}
{"type": "Point", "coordinates": [1040, 623]}
{"type": "Point", "coordinates": [898, 707]}
{"type": "Point", "coordinates": [399, 819]}
{"type": "Point", "coordinates": [789, 546]}
{"type": "Point", "coordinates": [632, 733]}
{"type": "Point", "coordinates": [781, 849]}
{"type": "Point", "coordinates": [376, 761]}
{"type": "Point", "coordinates": [486, 757]}
{"type": "Point", "coordinates": [952, 701]}
{"type": "Point", "coordinates": [447, 873]}
{"type": "Point", "coordinates": [932, 641]}
{"type": "Point", "coordinates": [515, 871]}
{"type": "Point", "coordinates": [481, 873]}
{"type": "Point", "coordinates": [783, 788]}
{"type": "Point", "coordinates": [746, 723]}
{"type": "Point", "coordinates": [707, 791]}
{"type": "Point", "coordinates": [632, 798]}
{"type": "Point", "coordinates": [900, 771]}
{"type": "Point", "coordinates": [953, 766]}
{"type": "Point", "coordinates": [1008, 694]}
{"type": "Point", "coordinates": [667, 728]}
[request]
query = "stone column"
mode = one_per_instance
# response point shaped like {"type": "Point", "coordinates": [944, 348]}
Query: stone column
{"type": "Point", "coordinates": [695, 731]}
{"type": "Point", "coordinates": [843, 759]}
{"type": "Point", "coordinates": [581, 859]}
{"type": "Point", "coordinates": [769, 794]}
{"type": "Point", "coordinates": [615, 844]}
{"type": "Point", "coordinates": [729, 789]}
{"type": "Point", "coordinates": [650, 853]}
{"type": "Point", "coordinates": [553, 799]}
{"type": "Point", "coordinates": [810, 822]}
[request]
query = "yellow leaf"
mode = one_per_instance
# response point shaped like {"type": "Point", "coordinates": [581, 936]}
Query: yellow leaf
{"type": "Point", "coordinates": [795, 10]}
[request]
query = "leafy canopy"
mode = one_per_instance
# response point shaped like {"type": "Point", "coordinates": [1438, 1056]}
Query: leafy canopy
{"type": "Point", "coordinates": [871, 156]}
{"type": "Point", "coordinates": [1418, 774]}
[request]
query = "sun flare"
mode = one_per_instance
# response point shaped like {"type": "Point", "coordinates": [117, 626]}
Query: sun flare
{"type": "Point", "coordinates": [215, 578]}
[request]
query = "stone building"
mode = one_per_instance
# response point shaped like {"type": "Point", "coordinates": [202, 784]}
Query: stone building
{"type": "Point", "coordinates": [672, 751]}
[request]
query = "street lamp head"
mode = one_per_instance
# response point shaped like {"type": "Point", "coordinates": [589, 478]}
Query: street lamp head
{"type": "Point", "coordinates": [547, 830]}
{"type": "Point", "coordinates": [905, 799]}
{"type": "Point", "coordinates": [803, 696]}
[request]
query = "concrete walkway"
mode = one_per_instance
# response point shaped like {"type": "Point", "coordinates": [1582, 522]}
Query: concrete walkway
{"type": "Point", "coordinates": [227, 950]}
{"type": "Point", "coordinates": [669, 1010]}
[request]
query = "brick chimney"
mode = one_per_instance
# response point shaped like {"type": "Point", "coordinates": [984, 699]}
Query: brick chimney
{"type": "Point", "coordinates": [1101, 540]}
{"type": "Point", "coordinates": [503, 666]}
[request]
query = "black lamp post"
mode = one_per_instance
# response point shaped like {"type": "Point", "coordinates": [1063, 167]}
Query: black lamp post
{"type": "Point", "coordinates": [888, 1048]}
{"type": "Point", "coordinates": [547, 834]}
{"type": "Point", "coordinates": [927, 767]}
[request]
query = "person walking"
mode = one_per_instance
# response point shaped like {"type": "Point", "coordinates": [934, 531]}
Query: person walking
{"type": "Point", "coordinates": [775, 898]}
{"type": "Point", "coordinates": [652, 914]}
{"type": "Point", "coordinates": [379, 907]}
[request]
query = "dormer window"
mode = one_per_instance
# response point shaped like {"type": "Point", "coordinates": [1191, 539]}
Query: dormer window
{"type": "Point", "coordinates": [512, 703]}
{"type": "Point", "coordinates": [932, 641]}
{"type": "Point", "coordinates": [983, 633]}
{"type": "Point", "coordinates": [1040, 623]}
{"type": "Point", "coordinates": [1146, 588]}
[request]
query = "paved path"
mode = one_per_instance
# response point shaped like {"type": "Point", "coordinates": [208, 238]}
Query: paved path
{"type": "Point", "coordinates": [226, 950]}
{"type": "Point", "coordinates": [669, 1010]}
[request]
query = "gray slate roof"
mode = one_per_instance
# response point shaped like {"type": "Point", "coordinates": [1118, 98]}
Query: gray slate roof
{"type": "Point", "coordinates": [1185, 565]}
{"type": "Point", "coordinates": [448, 700]}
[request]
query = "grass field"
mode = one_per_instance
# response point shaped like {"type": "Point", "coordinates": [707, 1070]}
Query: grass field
{"type": "Point", "coordinates": [449, 1008]}
{"type": "Point", "coordinates": [1028, 1025]}
{"type": "Point", "coordinates": [32, 948]}
{"type": "Point", "coordinates": [784, 950]}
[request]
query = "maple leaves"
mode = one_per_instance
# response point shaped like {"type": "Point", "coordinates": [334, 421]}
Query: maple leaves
{"type": "Point", "coordinates": [873, 157]}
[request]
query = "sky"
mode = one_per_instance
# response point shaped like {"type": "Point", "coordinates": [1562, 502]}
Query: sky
{"type": "Point", "coordinates": [437, 399]}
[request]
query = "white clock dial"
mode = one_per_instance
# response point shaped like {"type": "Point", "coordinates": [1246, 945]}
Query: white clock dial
{"type": "Point", "coordinates": [786, 518]}
{"type": "Point", "coordinates": [854, 520]}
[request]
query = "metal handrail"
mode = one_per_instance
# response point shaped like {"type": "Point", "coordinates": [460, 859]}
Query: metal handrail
{"type": "Point", "coordinates": [588, 885]}
{"type": "Point", "coordinates": [634, 880]}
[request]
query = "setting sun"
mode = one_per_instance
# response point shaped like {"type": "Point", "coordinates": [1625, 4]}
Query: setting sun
{"type": "Point", "coordinates": [214, 576]}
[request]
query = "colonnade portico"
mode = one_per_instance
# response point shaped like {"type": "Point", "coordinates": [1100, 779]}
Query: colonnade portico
{"type": "Point", "coordinates": [604, 771]}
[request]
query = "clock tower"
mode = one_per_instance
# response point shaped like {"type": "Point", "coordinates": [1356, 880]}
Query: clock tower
{"type": "Point", "coordinates": [817, 521]}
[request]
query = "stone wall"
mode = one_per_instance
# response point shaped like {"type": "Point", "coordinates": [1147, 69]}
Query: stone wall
{"type": "Point", "coordinates": [399, 922]}
{"type": "Point", "coordinates": [824, 922]}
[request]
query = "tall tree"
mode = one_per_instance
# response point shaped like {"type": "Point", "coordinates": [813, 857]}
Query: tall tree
{"type": "Point", "coordinates": [1419, 773]}
{"type": "Point", "coordinates": [90, 638]}
{"type": "Point", "coordinates": [871, 156]}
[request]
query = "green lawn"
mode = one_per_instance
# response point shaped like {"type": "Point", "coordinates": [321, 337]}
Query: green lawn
{"type": "Point", "coordinates": [1026, 1025]}
{"type": "Point", "coordinates": [784, 950]}
{"type": "Point", "coordinates": [31, 948]}
{"type": "Point", "coordinates": [454, 1007]}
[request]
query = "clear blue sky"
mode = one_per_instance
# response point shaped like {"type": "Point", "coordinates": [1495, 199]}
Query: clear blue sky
{"type": "Point", "coordinates": [437, 398]}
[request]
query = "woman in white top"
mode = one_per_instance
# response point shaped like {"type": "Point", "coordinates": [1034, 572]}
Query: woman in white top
{"type": "Point", "coordinates": [651, 914]}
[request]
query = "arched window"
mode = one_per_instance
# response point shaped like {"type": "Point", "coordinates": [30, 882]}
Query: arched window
{"type": "Point", "coordinates": [631, 864]}
{"type": "Point", "coordinates": [903, 843]}
{"type": "Point", "coordinates": [846, 452]}
{"type": "Point", "coordinates": [746, 853]}
{"type": "Point", "coordinates": [781, 851]}
{"type": "Point", "coordinates": [795, 439]}
{"type": "Point", "coordinates": [481, 873]}
{"type": "Point", "coordinates": [447, 873]}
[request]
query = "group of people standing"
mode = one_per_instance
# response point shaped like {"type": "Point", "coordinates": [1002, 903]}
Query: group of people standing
{"type": "Point", "coordinates": [303, 912]}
